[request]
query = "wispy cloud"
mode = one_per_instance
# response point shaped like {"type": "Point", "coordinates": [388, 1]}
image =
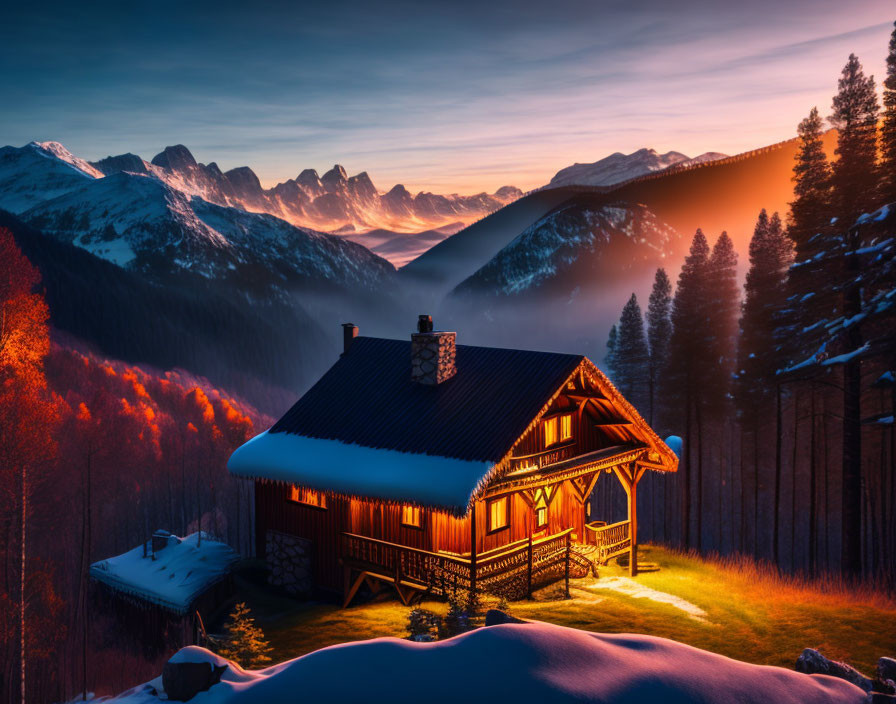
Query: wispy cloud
{"type": "Point", "coordinates": [464, 96]}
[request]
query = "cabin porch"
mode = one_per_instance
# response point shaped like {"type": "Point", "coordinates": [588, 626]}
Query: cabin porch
{"type": "Point", "coordinates": [549, 509]}
{"type": "Point", "coordinates": [512, 571]}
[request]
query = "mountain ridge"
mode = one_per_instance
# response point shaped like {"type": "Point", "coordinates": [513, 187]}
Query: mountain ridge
{"type": "Point", "coordinates": [618, 167]}
{"type": "Point", "coordinates": [329, 202]}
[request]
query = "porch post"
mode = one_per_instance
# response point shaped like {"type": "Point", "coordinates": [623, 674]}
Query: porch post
{"type": "Point", "coordinates": [473, 549]}
{"type": "Point", "coordinates": [633, 523]}
{"type": "Point", "coordinates": [529, 569]}
{"type": "Point", "coordinates": [568, 547]}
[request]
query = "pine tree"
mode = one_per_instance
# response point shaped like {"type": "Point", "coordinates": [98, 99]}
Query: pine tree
{"type": "Point", "coordinates": [810, 231]}
{"type": "Point", "coordinates": [855, 117]}
{"type": "Point", "coordinates": [610, 357]}
{"type": "Point", "coordinates": [723, 306]}
{"type": "Point", "coordinates": [244, 642]}
{"type": "Point", "coordinates": [659, 331]}
{"type": "Point", "coordinates": [721, 303]}
{"type": "Point", "coordinates": [888, 129]}
{"type": "Point", "coordinates": [810, 211]}
{"type": "Point", "coordinates": [687, 361]}
{"type": "Point", "coordinates": [759, 357]}
{"type": "Point", "coordinates": [765, 292]}
{"type": "Point", "coordinates": [631, 356]}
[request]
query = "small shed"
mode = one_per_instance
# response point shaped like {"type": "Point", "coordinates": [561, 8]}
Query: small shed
{"type": "Point", "coordinates": [166, 588]}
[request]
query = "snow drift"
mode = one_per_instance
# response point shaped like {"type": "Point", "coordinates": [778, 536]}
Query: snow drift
{"type": "Point", "coordinates": [523, 662]}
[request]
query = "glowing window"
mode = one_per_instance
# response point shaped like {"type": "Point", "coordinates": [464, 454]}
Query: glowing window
{"type": "Point", "coordinates": [550, 431]}
{"type": "Point", "coordinates": [566, 427]}
{"type": "Point", "coordinates": [541, 517]}
{"type": "Point", "coordinates": [309, 497]}
{"type": "Point", "coordinates": [498, 516]}
{"type": "Point", "coordinates": [411, 516]}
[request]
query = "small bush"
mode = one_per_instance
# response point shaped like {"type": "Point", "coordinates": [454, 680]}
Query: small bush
{"type": "Point", "coordinates": [423, 625]}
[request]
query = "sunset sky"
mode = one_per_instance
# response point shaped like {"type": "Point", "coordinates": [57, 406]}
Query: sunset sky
{"type": "Point", "coordinates": [461, 96]}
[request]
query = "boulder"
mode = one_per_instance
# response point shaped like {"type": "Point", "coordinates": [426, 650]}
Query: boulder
{"type": "Point", "coordinates": [184, 680]}
{"type": "Point", "coordinates": [880, 698]}
{"type": "Point", "coordinates": [811, 662]}
{"type": "Point", "coordinates": [494, 617]}
{"type": "Point", "coordinates": [886, 669]}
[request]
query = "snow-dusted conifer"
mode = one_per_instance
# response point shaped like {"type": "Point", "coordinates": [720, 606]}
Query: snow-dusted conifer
{"type": "Point", "coordinates": [610, 357]}
{"type": "Point", "coordinates": [855, 117]}
{"type": "Point", "coordinates": [244, 642]}
{"type": "Point", "coordinates": [764, 298]}
{"type": "Point", "coordinates": [632, 358]}
{"type": "Point", "coordinates": [722, 309]}
{"type": "Point", "coordinates": [888, 129]}
{"type": "Point", "coordinates": [659, 330]}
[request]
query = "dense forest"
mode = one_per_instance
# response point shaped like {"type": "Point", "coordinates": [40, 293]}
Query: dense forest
{"type": "Point", "coordinates": [783, 392]}
{"type": "Point", "coordinates": [94, 455]}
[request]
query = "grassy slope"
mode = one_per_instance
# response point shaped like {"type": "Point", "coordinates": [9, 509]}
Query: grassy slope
{"type": "Point", "coordinates": [752, 614]}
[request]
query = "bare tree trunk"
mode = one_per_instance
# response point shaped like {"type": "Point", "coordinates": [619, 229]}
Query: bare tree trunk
{"type": "Point", "coordinates": [793, 464]}
{"type": "Point", "coordinates": [686, 479]}
{"type": "Point", "coordinates": [84, 611]}
{"type": "Point", "coordinates": [743, 494]}
{"type": "Point", "coordinates": [827, 491]}
{"type": "Point", "coordinates": [22, 652]}
{"type": "Point", "coordinates": [813, 481]}
{"type": "Point", "coordinates": [778, 449]}
{"type": "Point", "coordinates": [699, 476]}
{"type": "Point", "coordinates": [756, 484]}
{"type": "Point", "coordinates": [851, 545]}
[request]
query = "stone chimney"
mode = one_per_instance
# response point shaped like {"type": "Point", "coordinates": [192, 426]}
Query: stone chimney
{"type": "Point", "coordinates": [349, 333]}
{"type": "Point", "coordinates": [159, 541]}
{"type": "Point", "coordinates": [432, 354]}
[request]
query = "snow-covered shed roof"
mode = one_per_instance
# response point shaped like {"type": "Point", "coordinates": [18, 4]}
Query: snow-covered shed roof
{"type": "Point", "coordinates": [366, 429]}
{"type": "Point", "coordinates": [174, 577]}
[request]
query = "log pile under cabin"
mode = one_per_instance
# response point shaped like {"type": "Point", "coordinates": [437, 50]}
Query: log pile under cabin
{"type": "Point", "coordinates": [433, 466]}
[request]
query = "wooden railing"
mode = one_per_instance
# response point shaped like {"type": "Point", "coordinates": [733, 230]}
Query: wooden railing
{"type": "Point", "coordinates": [611, 540]}
{"type": "Point", "coordinates": [437, 572]}
{"type": "Point", "coordinates": [537, 460]}
{"type": "Point", "coordinates": [512, 571]}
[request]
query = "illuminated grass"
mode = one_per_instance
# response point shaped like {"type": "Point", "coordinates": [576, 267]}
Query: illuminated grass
{"type": "Point", "coordinates": [752, 613]}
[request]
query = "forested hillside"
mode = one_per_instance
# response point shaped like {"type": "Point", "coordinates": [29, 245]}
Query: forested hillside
{"type": "Point", "coordinates": [784, 391]}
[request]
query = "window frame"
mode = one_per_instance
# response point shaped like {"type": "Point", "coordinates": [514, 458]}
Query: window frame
{"type": "Point", "coordinates": [547, 517]}
{"type": "Point", "coordinates": [552, 421]}
{"type": "Point", "coordinates": [415, 509]}
{"type": "Point", "coordinates": [322, 497]}
{"type": "Point", "coordinates": [489, 528]}
{"type": "Point", "coordinates": [566, 418]}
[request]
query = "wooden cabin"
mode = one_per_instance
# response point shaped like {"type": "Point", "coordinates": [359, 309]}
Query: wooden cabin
{"type": "Point", "coordinates": [433, 466]}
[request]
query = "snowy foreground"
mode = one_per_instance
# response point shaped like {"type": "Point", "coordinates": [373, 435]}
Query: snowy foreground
{"type": "Point", "coordinates": [523, 662]}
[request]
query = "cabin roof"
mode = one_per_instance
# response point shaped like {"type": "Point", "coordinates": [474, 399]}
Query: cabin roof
{"type": "Point", "coordinates": [368, 398]}
{"type": "Point", "coordinates": [366, 429]}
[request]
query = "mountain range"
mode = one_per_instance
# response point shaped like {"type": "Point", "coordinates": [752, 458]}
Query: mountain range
{"type": "Point", "coordinates": [332, 202]}
{"type": "Point", "coordinates": [619, 167]}
{"type": "Point", "coordinates": [548, 270]}
{"type": "Point", "coordinates": [145, 223]}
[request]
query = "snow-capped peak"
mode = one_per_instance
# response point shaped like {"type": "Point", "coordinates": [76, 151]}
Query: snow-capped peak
{"type": "Point", "coordinates": [618, 167]}
{"type": "Point", "coordinates": [63, 154]}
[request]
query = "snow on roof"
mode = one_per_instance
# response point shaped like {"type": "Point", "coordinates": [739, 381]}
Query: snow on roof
{"type": "Point", "coordinates": [674, 442]}
{"type": "Point", "coordinates": [529, 662]}
{"type": "Point", "coordinates": [356, 470]}
{"type": "Point", "coordinates": [180, 572]}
